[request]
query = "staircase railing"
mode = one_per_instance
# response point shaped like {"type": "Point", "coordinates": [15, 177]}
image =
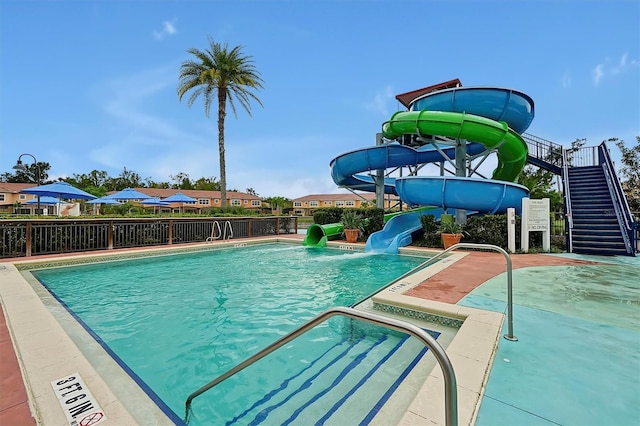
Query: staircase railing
{"type": "Point", "coordinates": [567, 201]}
{"type": "Point", "coordinates": [450, 390]}
{"type": "Point", "coordinates": [546, 151]}
{"type": "Point", "coordinates": [621, 207]}
{"type": "Point", "coordinates": [582, 157]}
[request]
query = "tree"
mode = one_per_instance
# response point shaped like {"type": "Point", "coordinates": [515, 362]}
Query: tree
{"type": "Point", "coordinates": [182, 181]}
{"type": "Point", "coordinates": [224, 73]}
{"type": "Point", "coordinates": [207, 184]}
{"type": "Point", "coordinates": [540, 185]}
{"type": "Point", "coordinates": [30, 174]}
{"type": "Point", "coordinates": [630, 171]}
{"type": "Point", "coordinates": [252, 191]}
{"type": "Point", "coordinates": [278, 203]}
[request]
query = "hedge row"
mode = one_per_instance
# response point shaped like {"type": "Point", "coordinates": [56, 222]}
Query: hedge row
{"type": "Point", "coordinates": [373, 218]}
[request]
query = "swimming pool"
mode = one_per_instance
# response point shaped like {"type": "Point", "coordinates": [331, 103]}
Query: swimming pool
{"type": "Point", "coordinates": [178, 321]}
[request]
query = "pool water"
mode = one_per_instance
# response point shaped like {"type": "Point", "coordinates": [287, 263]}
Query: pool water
{"type": "Point", "coordinates": [179, 321]}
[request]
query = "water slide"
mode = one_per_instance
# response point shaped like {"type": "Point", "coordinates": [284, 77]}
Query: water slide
{"type": "Point", "coordinates": [489, 118]}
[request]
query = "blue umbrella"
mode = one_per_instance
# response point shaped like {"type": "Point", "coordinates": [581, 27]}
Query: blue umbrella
{"type": "Point", "coordinates": [155, 201]}
{"type": "Point", "coordinates": [59, 190]}
{"type": "Point", "coordinates": [179, 197]}
{"type": "Point", "coordinates": [47, 201]}
{"type": "Point", "coordinates": [128, 194]}
{"type": "Point", "coordinates": [103, 200]}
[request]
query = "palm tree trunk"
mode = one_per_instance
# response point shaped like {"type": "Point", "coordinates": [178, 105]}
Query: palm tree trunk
{"type": "Point", "coordinates": [222, 102]}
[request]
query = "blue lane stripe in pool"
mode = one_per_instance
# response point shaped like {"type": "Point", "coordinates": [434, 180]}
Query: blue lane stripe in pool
{"type": "Point", "coordinates": [150, 393]}
{"type": "Point", "coordinates": [357, 360]}
{"type": "Point", "coordinates": [361, 382]}
{"type": "Point", "coordinates": [392, 388]}
{"type": "Point", "coordinates": [260, 417]}
{"type": "Point", "coordinates": [285, 383]}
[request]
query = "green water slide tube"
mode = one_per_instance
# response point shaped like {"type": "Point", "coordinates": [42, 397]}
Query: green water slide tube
{"type": "Point", "coordinates": [318, 235]}
{"type": "Point", "coordinates": [511, 148]}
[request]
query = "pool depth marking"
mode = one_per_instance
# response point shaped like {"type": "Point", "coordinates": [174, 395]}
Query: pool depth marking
{"type": "Point", "coordinates": [77, 402]}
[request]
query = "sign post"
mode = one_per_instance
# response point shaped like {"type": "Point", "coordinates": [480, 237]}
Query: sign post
{"type": "Point", "coordinates": [535, 218]}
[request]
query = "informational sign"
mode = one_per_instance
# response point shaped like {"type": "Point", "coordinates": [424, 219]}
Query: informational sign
{"type": "Point", "coordinates": [538, 215]}
{"type": "Point", "coordinates": [535, 217]}
{"type": "Point", "coordinates": [79, 406]}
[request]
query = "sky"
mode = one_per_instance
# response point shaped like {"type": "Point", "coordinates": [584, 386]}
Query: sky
{"type": "Point", "coordinates": [92, 85]}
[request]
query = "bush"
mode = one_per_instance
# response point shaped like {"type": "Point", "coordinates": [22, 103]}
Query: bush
{"type": "Point", "coordinates": [487, 229]}
{"type": "Point", "coordinates": [373, 218]}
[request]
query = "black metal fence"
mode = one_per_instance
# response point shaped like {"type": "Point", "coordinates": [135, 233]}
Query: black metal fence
{"type": "Point", "coordinates": [19, 238]}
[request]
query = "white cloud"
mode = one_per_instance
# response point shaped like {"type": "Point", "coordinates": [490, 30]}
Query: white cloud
{"type": "Point", "coordinates": [609, 69]}
{"type": "Point", "coordinates": [566, 80]}
{"type": "Point", "coordinates": [168, 29]}
{"type": "Point", "coordinates": [598, 73]}
{"type": "Point", "coordinates": [380, 101]}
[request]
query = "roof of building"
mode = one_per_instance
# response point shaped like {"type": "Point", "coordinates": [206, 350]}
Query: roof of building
{"type": "Point", "coordinates": [369, 196]}
{"type": "Point", "coordinates": [194, 193]}
{"type": "Point", "coordinates": [408, 97]}
{"type": "Point", "coordinates": [14, 188]}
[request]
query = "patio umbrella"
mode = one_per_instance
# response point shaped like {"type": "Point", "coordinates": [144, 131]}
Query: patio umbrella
{"type": "Point", "coordinates": [155, 202]}
{"type": "Point", "coordinates": [103, 200]}
{"type": "Point", "coordinates": [179, 197]}
{"type": "Point", "coordinates": [59, 190]}
{"type": "Point", "coordinates": [128, 194]}
{"type": "Point", "coordinates": [47, 201]}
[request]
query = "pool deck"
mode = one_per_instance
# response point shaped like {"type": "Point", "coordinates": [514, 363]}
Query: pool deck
{"type": "Point", "coordinates": [449, 285]}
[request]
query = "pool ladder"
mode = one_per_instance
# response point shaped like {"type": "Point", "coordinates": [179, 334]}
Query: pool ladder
{"type": "Point", "coordinates": [220, 232]}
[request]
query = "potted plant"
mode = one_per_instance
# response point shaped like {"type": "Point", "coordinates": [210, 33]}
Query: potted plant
{"type": "Point", "coordinates": [352, 224]}
{"type": "Point", "coordinates": [451, 233]}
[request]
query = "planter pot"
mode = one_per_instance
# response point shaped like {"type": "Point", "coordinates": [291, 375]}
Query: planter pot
{"type": "Point", "coordinates": [450, 239]}
{"type": "Point", "coordinates": [352, 235]}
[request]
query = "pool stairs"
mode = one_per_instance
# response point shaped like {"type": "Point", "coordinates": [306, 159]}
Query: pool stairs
{"type": "Point", "coordinates": [346, 382]}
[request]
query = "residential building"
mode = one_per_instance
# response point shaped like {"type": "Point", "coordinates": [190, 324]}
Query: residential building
{"type": "Point", "coordinates": [205, 199]}
{"type": "Point", "coordinates": [10, 196]}
{"type": "Point", "coordinates": [305, 206]}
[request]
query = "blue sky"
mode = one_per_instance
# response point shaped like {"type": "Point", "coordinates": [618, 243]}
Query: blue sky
{"type": "Point", "coordinates": [90, 85]}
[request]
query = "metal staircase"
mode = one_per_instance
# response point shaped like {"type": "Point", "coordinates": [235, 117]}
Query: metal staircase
{"type": "Point", "coordinates": [599, 220]}
{"type": "Point", "coordinates": [596, 229]}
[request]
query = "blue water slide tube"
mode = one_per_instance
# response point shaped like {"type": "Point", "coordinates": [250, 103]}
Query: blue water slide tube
{"type": "Point", "coordinates": [499, 104]}
{"type": "Point", "coordinates": [398, 230]}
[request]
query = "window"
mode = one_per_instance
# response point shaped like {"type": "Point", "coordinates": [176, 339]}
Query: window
{"type": "Point", "coordinates": [1, 197]}
{"type": "Point", "coordinates": [298, 212]}
{"type": "Point", "coordinates": [217, 201]}
{"type": "Point", "coordinates": [297, 204]}
{"type": "Point", "coordinates": [350, 203]}
{"type": "Point", "coordinates": [22, 196]}
{"type": "Point", "coordinates": [327, 203]}
{"type": "Point", "coordinates": [246, 201]}
{"type": "Point", "coordinates": [256, 203]}
{"type": "Point", "coordinates": [313, 203]}
{"type": "Point", "coordinates": [203, 201]}
{"type": "Point", "coordinates": [339, 203]}
{"type": "Point", "coordinates": [236, 202]}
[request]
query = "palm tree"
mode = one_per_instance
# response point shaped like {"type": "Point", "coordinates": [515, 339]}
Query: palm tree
{"type": "Point", "coordinates": [224, 72]}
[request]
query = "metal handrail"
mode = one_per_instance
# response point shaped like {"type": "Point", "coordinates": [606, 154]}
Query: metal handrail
{"type": "Point", "coordinates": [216, 225]}
{"type": "Point", "coordinates": [567, 196]}
{"type": "Point", "coordinates": [227, 225]}
{"type": "Point", "coordinates": [622, 220]}
{"type": "Point", "coordinates": [450, 390]}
